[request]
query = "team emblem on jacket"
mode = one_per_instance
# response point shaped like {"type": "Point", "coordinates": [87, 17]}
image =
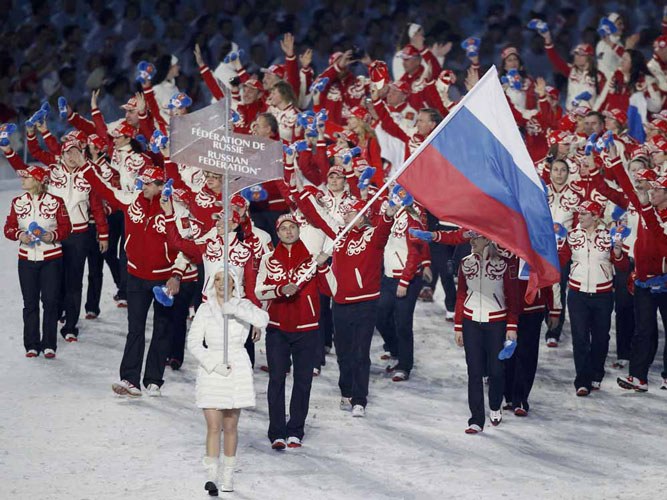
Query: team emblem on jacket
{"type": "Point", "coordinates": [495, 268]}
{"type": "Point", "coordinates": [355, 247]}
{"type": "Point", "coordinates": [23, 207]}
{"type": "Point", "coordinates": [134, 162]}
{"type": "Point", "coordinates": [204, 199]}
{"type": "Point", "coordinates": [275, 270]}
{"type": "Point", "coordinates": [57, 178]}
{"type": "Point", "coordinates": [470, 267]}
{"type": "Point", "coordinates": [48, 207]}
{"type": "Point", "coordinates": [80, 183]}
{"type": "Point", "coordinates": [135, 213]}
{"type": "Point", "coordinates": [400, 225]}
{"type": "Point", "coordinates": [160, 224]}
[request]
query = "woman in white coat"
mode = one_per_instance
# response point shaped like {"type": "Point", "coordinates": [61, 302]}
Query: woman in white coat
{"type": "Point", "coordinates": [223, 390]}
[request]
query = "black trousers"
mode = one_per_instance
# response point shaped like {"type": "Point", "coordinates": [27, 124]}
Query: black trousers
{"type": "Point", "coordinates": [139, 300]}
{"type": "Point", "coordinates": [326, 327]}
{"type": "Point", "coordinates": [521, 367]}
{"type": "Point", "coordinates": [40, 280]}
{"type": "Point", "coordinates": [354, 325]}
{"type": "Point", "coordinates": [564, 275]}
{"type": "Point", "coordinates": [394, 320]}
{"type": "Point", "coordinates": [179, 324]}
{"type": "Point", "coordinates": [75, 251]}
{"type": "Point", "coordinates": [95, 262]}
{"type": "Point", "coordinates": [302, 348]}
{"type": "Point", "coordinates": [625, 315]}
{"type": "Point", "coordinates": [482, 343]}
{"type": "Point", "coordinates": [645, 339]}
{"type": "Point", "coordinates": [590, 322]}
{"type": "Point", "coordinates": [115, 256]}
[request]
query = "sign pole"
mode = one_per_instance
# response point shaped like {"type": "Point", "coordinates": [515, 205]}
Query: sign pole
{"type": "Point", "coordinates": [225, 214]}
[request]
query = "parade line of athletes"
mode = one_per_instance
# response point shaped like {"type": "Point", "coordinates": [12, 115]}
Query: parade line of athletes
{"type": "Point", "coordinates": [96, 195]}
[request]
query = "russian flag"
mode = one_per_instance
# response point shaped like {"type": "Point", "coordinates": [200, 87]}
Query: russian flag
{"type": "Point", "coordinates": [475, 170]}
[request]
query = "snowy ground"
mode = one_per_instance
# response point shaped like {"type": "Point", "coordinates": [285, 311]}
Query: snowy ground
{"type": "Point", "coordinates": [65, 435]}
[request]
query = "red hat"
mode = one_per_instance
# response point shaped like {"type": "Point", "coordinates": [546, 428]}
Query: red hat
{"type": "Point", "coordinates": [618, 115]}
{"type": "Point", "coordinates": [659, 183]}
{"type": "Point", "coordinates": [74, 135]}
{"type": "Point", "coordinates": [591, 207]}
{"type": "Point", "coordinates": [334, 149]}
{"type": "Point", "coordinates": [637, 153]}
{"type": "Point", "coordinates": [255, 84]}
{"type": "Point", "coordinates": [97, 141]}
{"type": "Point", "coordinates": [275, 69]}
{"type": "Point", "coordinates": [286, 218]}
{"type": "Point", "coordinates": [131, 104]}
{"type": "Point", "coordinates": [333, 57]}
{"type": "Point", "coordinates": [239, 201]}
{"type": "Point", "coordinates": [336, 170]}
{"type": "Point", "coordinates": [348, 135]}
{"type": "Point", "coordinates": [559, 137]}
{"type": "Point", "coordinates": [657, 144]}
{"type": "Point", "coordinates": [408, 52]}
{"type": "Point", "coordinates": [401, 86]}
{"type": "Point", "coordinates": [581, 111]}
{"type": "Point", "coordinates": [151, 174]}
{"type": "Point", "coordinates": [508, 51]}
{"type": "Point", "coordinates": [124, 129]}
{"type": "Point", "coordinates": [553, 92]}
{"type": "Point", "coordinates": [236, 217]}
{"type": "Point", "coordinates": [658, 123]}
{"type": "Point", "coordinates": [37, 173]}
{"type": "Point", "coordinates": [583, 49]}
{"type": "Point", "coordinates": [359, 112]}
{"type": "Point", "coordinates": [645, 174]}
{"type": "Point", "coordinates": [351, 205]}
{"type": "Point", "coordinates": [567, 123]}
{"type": "Point", "coordinates": [660, 42]}
{"type": "Point", "coordinates": [70, 144]}
{"type": "Point", "coordinates": [447, 77]}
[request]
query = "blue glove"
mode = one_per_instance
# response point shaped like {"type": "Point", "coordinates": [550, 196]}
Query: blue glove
{"type": "Point", "coordinates": [46, 107]}
{"type": "Point", "coordinates": [141, 139]}
{"type": "Point", "coordinates": [138, 184]}
{"type": "Point", "coordinates": [657, 284]}
{"type": "Point", "coordinates": [508, 350]}
{"type": "Point", "coordinates": [321, 117]}
{"type": "Point", "coordinates": [304, 119]}
{"type": "Point", "coordinates": [158, 141]}
{"type": "Point", "coordinates": [605, 141]}
{"type": "Point", "coordinates": [619, 233]}
{"type": "Point", "coordinates": [319, 85]}
{"type": "Point", "coordinates": [36, 233]}
{"type": "Point", "coordinates": [606, 27]}
{"type": "Point", "coordinates": [235, 117]}
{"type": "Point", "coordinates": [62, 107]}
{"type": "Point", "coordinates": [584, 96]}
{"type": "Point", "coordinates": [6, 129]}
{"type": "Point", "coordinates": [179, 100]}
{"type": "Point", "coordinates": [560, 231]}
{"type": "Point", "coordinates": [538, 25]}
{"type": "Point", "coordinates": [471, 46]}
{"type": "Point", "coordinates": [233, 56]}
{"type": "Point", "coordinates": [162, 295]}
{"type": "Point", "coordinates": [145, 72]}
{"type": "Point", "coordinates": [422, 235]}
{"type": "Point", "coordinates": [167, 189]}
{"type": "Point", "coordinates": [617, 213]}
{"type": "Point", "coordinates": [400, 196]}
{"type": "Point", "coordinates": [255, 193]}
{"type": "Point", "coordinates": [295, 147]}
{"type": "Point", "coordinates": [514, 79]}
{"type": "Point", "coordinates": [590, 145]}
{"type": "Point", "coordinates": [365, 177]}
{"type": "Point", "coordinates": [311, 130]}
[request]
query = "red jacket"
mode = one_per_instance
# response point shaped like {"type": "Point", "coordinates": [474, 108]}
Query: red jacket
{"type": "Point", "coordinates": [148, 255]}
{"type": "Point", "coordinates": [301, 311]}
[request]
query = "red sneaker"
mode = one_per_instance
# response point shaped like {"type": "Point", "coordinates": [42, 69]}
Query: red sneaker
{"type": "Point", "coordinates": [32, 353]}
{"type": "Point", "coordinates": [49, 353]}
{"type": "Point", "coordinates": [278, 444]}
{"type": "Point", "coordinates": [473, 429]}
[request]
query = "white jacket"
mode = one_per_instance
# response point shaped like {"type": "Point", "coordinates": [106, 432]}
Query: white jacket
{"type": "Point", "coordinates": [592, 269]}
{"type": "Point", "coordinates": [214, 390]}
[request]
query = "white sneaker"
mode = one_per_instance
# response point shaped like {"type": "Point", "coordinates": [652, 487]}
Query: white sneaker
{"type": "Point", "coordinates": [153, 390]}
{"type": "Point", "coordinates": [358, 411]}
{"type": "Point", "coordinates": [595, 386]}
{"type": "Point", "coordinates": [496, 417]}
{"type": "Point", "coordinates": [552, 342]}
{"type": "Point", "coordinates": [386, 355]}
{"type": "Point", "coordinates": [293, 442]}
{"type": "Point", "coordinates": [124, 388]}
{"type": "Point", "coordinates": [345, 404]}
{"type": "Point", "coordinates": [449, 315]}
{"type": "Point", "coordinates": [664, 384]}
{"type": "Point", "coordinates": [70, 337]}
{"type": "Point", "coordinates": [316, 372]}
{"type": "Point", "coordinates": [49, 353]}
{"type": "Point", "coordinates": [473, 429]}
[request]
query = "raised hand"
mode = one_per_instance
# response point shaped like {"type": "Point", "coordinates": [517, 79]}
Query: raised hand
{"type": "Point", "coordinates": [93, 98]}
{"type": "Point", "coordinates": [198, 57]}
{"type": "Point", "coordinates": [306, 58]}
{"type": "Point", "coordinates": [287, 44]}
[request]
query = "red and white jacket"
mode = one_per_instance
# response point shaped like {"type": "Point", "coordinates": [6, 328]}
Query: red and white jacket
{"type": "Point", "coordinates": [593, 262]}
{"type": "Point", "coordinates": [148, 255]}
{"type": "Point", "coordinates": [343, 92]}
{"type": "Point", "coordinates": [46, 210]}
{"type": "Point", "coordinates": [412, 142]}
{"type": "Point", "coordinates": [403, 254]}
{"type": "Point", "coordinates": [486, 292]}
{"type": "Point", "coordinates": [578, 81]}
{"type": "Point", "coordinates": [563, 204]}
{"type": "Point", "coordinates": [286, 119]}
{"type": "Point", "coordinates": [299, 312]}
{"type": "Point", "coordinates": [74, 190]}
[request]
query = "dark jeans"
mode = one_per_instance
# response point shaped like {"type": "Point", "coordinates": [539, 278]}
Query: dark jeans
{"type": "Point", "coordinates": [564, 275]}
{"type": "Point", "coordinates": [482, 343]}
{"type": "Point", "coordinates": [302, 347]}
{"type": "Point", "coordinates": [179, 322]}
{"type": "Point", "coordinates": [645, 339]}
{"type": "Point", "coordinates": [394, 320]}
{"type": "Point", "coordinates": [590, 322]}
{"type": "Point", "coordinates": [326, 327]}
{"type": "Point", "coordinates": [75, 251]}
{"type": "Point", "coordinates": [115, 257]}
{"type": "Point", "coordinates": [95, 273]}
{"type": "Point", "coordinates": [139, 300]}
{"type": "Point", "coordinates": [625, 315]}
{"type": "Point", "coordinates": [521, 367]}
{"type": "Point", "coordinates": [40, 279]}
{"type": "Point", "coordinates": [354, 325]}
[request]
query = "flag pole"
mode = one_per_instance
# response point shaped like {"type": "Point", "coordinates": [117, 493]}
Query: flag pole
{"type": "Point", "coordinates": [492, 72]}
{"type": "Point", "coordinates": [225, 214]}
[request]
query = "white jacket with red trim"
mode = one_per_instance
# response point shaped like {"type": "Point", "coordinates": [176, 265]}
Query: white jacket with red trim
{"type": "Point", "coordinates": [403, 254]}
{"type": "Point", "coordinates": [486, 292]}
{"type": "Point", "coordinates": [46, 210]}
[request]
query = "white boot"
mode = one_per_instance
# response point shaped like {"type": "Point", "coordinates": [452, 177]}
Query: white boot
{"type": "Point", "coordinates": [211, 466]}
{"type": "Point", "coordinates": [228, 465]}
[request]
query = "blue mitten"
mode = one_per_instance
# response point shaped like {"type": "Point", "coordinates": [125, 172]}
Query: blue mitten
{"type": "Point", "coordinates": [321, 117]}
{"type": "Point", "coordinates": [6, 129]}
{"type": "Point", "coordinates": [617, 213]}
{"type": "Point", "coordinates": [560, 231]}
{"type": "Point", "coordinates": [590, 145]}
{"type": "Point", "coordinates": [162, 295]}
{"type": "Point", "coordinates": [36, 231]}
{"type": "Point", "coordinates": [319, 85]}
{"type": "Point", "coordinates": [158, 141]}
{"type": "Point", "coordinates": [619, 233]}
{"type": "Point", "coordinates": [352, 153]}
{"type": "Point", "coordinates": [606, 27]}
{"type": "Point", "coordinates": [471, 46]}
{"type": "Point", "coordinates": [584, 96]}
{"type": "Point", "coordinates": [605, 141]}
{"type": "Point", "coordinates": [138, 184]}
{"type": "Point", "coordinates": [514, 79]}
{"type": "Point", "coordinates": [538, 25]}
{"type": "Point", "coordinates": [145, 72]}
{"type": "Point", "coordinates": [400, 196]}
{"type": "Point", "coordinates": [508, 350]}
{"type": "Point", "coordinates": [300, 146]}
{"type": "Point", "coordinates": [235, 117]}
{"type": "Point", "coordinates": [141, 139]}
{"type": "Point", "coordinates": [179, 100]}
{"type": "Point", "coordinates": [365, 177]}
{"type": "Point", "coordinates": [167, 189]}
{"type": "Point", "coordinates": [255, 193]}
{"type": "Point", "coordinates": [422, 235]}
{"type": "Point", "coordinates": [233, 56]}
{"type": "Point", "coordinates": [62, 107]}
